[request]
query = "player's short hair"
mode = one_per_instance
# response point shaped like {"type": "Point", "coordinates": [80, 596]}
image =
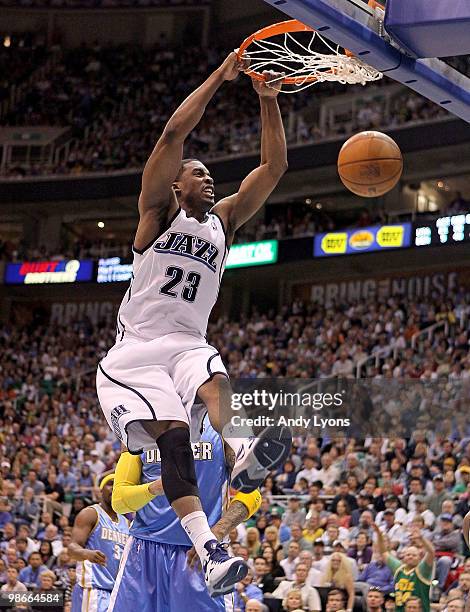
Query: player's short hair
{"type": "Point", "coordinates": [184, 163]}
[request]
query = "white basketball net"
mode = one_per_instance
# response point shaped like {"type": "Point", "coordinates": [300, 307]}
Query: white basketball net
{"type": "Point", "coordinates": [305, 63]}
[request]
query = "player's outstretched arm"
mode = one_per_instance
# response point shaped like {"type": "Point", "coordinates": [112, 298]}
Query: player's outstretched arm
{"type": "Point", "coordinates": [129, 495]}
{"type": "Point", "coordinates": [236, 209]}
{"type": "Point", "coordinates": [156, 202]}
{"type": "Point", "coordinates": [82, 528]}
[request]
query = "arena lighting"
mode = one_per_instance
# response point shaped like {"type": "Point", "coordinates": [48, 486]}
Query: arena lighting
{"type": "Point", "coordinates": [7, 41]}
{"type": "Point", "coordinates": [253, 254]}
{"type": "Point", "coordinates": [100, 224]}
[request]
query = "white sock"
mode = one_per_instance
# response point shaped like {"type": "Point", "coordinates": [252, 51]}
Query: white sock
{"type": "Point", "coordinates": [231, 435]}
{"type": "Point", "coordinates": [235, 443]}
{"type": "Point", "coordinates": [198, 530]}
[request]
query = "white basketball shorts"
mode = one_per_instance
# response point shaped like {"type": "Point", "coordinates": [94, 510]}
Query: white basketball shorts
{"type": "Point", "coordinates": [153, 381]}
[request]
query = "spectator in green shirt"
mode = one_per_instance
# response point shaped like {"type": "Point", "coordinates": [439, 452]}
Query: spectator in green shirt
{"type": "Point", "coordinates": [461, 485]}
{"type": "Point", "coordinates": [412, 576]}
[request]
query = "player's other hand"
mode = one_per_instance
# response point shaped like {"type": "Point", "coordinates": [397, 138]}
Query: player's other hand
{"type": "Point", "coordinates": [232, 66]}
{"type": "Point", "coordinates": [156, 487]}
{"type": "Point", "coordinates": [193, 560]}
{"type": "Point", "coordinates": [271, 86]}
{"type": "Point", "coordinates": [96, 556]}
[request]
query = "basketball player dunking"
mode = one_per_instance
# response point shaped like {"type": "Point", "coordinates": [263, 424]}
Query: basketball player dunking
{"type": "Point", "coordinates": [161, 361]}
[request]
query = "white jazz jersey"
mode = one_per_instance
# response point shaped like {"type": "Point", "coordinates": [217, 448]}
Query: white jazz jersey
{"type": "Point", "coordinates": [176, 280]}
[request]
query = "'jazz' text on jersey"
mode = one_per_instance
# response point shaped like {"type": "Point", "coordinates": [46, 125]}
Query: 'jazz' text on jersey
{"type": "Point", "coordinates": [187, 245]}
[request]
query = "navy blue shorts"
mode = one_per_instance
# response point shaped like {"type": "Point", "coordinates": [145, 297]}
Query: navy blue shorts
{"type": "Point", "coordinates": [154, 577]}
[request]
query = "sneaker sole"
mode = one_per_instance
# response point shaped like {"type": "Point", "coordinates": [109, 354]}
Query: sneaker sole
{"type": "Point", "coordinates": [270, 450]}
{"type": "Point", "coordinates": [236, 572]}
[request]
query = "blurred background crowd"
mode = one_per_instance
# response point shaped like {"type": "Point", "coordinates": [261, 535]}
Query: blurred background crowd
{"type": "Point", "coordinates": [279, 222]}
{"type": "Point", "coordinates": [115, 100]}
{"type": "Point", "coordinates": [314, 531]}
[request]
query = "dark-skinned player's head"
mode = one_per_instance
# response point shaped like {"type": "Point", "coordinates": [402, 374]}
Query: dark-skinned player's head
{"type": "Point", "coordinates": [194, 187]}
{"type": "Point", "coordinates": [106, 486]}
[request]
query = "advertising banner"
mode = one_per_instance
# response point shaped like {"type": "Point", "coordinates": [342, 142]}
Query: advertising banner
{"type": "Point", "coordinates": [410, 286]}
{"type": "Point", "coordinates": [362, 240]}
{"type": "Point", "coordinates": [44, 272]}
{"type": "Point", "coordinates": [252, 254]}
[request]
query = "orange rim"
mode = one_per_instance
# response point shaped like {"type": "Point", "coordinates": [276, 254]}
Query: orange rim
{"type": "Point", "coordinates": [290, 26]}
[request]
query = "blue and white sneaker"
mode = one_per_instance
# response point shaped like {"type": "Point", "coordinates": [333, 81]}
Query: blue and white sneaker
{"type": "Point", "coordinates": [258, 456]}
{"type": "Point", "coordinates": [221, 571]}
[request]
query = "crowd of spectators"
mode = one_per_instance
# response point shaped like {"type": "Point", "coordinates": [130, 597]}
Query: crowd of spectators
{"type": "Point", "coordinates": [314, 547]}
{"type": "Point", "coordinates": [116, 101]}
{"type": "Point", "coordinates": [305, 340]}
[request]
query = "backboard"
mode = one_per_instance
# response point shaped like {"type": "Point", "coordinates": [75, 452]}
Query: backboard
{"type": "Point", "coordinates": [359, 27]}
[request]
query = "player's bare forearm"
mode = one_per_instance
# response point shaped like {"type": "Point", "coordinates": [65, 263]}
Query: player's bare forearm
{"type": "Point", "coordinates": [82, 528]}
{"type": "Point", "coordinates": [237, 209]}
{"type": "Point", "coordinates": [273, 138]}
{"type": "Point", "coordinates": [235, 514]}
{"type": "Point", "coordinates": [76, 552]}
{"type": "Point", "coordinates": [164, 163]}
{"type": "Point", "coordinates": [190, 112]}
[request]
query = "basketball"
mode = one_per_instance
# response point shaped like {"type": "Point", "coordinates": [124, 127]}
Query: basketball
{"type": "Point", "coordinates": [370, 164]}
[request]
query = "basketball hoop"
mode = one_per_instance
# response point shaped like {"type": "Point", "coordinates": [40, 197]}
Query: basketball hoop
{"type": "Point", "coordinates": [302, 65]}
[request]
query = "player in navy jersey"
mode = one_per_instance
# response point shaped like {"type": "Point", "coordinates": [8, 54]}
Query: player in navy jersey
{"type": "Point", "coordinates": [154, 568]}
{"type": "Point", "coordinates": [98, 539]}
{"type": "Point", "coordinates": [161, 361]}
